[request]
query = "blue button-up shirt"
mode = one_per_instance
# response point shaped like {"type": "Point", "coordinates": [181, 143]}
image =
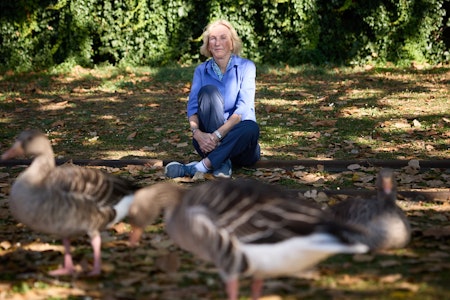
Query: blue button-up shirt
{"type": "Point", "coordinates": [237, 87]}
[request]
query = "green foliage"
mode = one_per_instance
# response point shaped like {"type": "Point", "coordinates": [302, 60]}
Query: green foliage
{"type": "Point", "coordinates": [40, 34]}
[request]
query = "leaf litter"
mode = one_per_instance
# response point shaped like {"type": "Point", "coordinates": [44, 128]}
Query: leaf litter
{"type": "Point", "coordinates": [158, 269]}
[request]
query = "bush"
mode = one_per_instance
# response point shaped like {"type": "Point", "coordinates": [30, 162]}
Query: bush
{"type": "Point", "coordinates": [38, 34]}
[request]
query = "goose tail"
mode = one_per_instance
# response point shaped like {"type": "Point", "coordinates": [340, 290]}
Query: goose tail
{"type": "Point", "coordinates": [121, 209]}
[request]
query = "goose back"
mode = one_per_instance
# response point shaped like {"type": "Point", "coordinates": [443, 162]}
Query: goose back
{"type": "Point", "coordinates": [69, 201]}
{"type": "Point", "coordinates": [66, 200]}
{"type": "Point", "coordinates": [229, 219]}
{"type": "Point", "coordinates": [385, 223]}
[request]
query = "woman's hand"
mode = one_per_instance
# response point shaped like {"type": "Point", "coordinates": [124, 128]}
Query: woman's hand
{"type": "Point", "coordinates": [207, 141]}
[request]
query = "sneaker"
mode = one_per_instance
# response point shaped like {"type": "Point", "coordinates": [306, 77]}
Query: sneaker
{"type": "Point", "coordinates": [224, 171]}
{"type": "Point", "coordinates": [176, 169]}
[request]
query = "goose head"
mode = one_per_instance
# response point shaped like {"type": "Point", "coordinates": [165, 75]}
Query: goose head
{"type": "Point", "coordinates": [148, 203]}
{"type": "Point", "coordinates": [29, 143]}
{"type": "Point", "coordinates": [386, 183]}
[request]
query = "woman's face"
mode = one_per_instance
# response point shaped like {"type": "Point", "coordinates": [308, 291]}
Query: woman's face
{"type": "Point", "coordinates": [219, 42]}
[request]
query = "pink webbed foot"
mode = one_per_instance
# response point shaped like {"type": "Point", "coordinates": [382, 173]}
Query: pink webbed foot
{"type": "Point", "coordinates": [68, 268]}
{"type": "Point", "coordinates": [62, 272]}
{"type": "Point", "coordinates": [96, 243]}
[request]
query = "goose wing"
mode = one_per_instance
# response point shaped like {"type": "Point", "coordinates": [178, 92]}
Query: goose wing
{"type": "Point", "coordinates": [254, 212]}
{"type": "Point", "coordinates": [89, 185]}
{"type": "Point", "coordinates": [85, 200]}
{"type": "Point", "coordinates": [214, 221]}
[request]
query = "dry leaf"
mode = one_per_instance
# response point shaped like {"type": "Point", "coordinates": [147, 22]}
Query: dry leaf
{"type": "Point", "coordinates": [181, 145]}
{"type": "Point", "coordinates": [414, 163]}
{"type": "Point", "coordinates": [437, 231]}
{"type": "Point", "coordinates": [59, 123]}
{"type": "Point", "coordinates": [153, 105]}
{"type": "Point", "coordinates": [416, 123]}
{"type": "Point", "coordinates": [408, 286]}
{"type": "Point", "coordinates": [169, 263]}
{"type": "Point", "coordinates": [131, 136]}
{"type": "Point", "coordinates": [325, 123]}
{"type": "Point", "coordinates": [391, 278]}
{"type": "Point", "coordinates": [363, 257]}
{"type": "Point", "coordinates": [5, 245]}
{"type": "Point", "coordinates": [389, 263]}
{"type": "Point", "coordinates": [132, 278]}
{"type": "Point", "coordinates": [121, 227]}
{"type": "Point", "coordinates": [311, 194]}
{"type": "Point", "coordinates": [322, 197]}
{"type": "Point", "coordinates": [354, 167]}
{"type": "Point", "coordinates": [148, 148]}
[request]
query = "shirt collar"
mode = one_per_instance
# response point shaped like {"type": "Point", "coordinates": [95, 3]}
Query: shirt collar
{"type": "Point", "coordinates": [216, 67]}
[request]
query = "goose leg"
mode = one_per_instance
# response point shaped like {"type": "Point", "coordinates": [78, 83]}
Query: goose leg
{"type": "Point", "coordinates": [135, 236]}
{"type": "Point", "coordinates": [257, 288]}
{"type": "Point", "coordinates": [232, 289]}
{"type": "Point", "coordinates": [96, 243]}
{"type": "Point", "coordinates": [68, 263]}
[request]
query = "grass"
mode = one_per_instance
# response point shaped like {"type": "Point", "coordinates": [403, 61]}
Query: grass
{"type": "Point", "coordinates": [304, 112]}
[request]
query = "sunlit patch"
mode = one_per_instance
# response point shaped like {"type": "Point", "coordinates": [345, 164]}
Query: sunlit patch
{"type": "Point", "coordinates": [108, 117]}
{"type": "Point", "coordinates": [46, 105]}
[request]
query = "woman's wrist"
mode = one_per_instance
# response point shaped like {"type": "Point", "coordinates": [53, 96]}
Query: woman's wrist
{"type": "Point", "coordinates": [193, 130]}
{"type": "Point", "coordinates": [218, 135]}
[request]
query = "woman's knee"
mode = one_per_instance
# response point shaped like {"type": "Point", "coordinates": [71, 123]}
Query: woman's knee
{"type": "Point", "coordinates": [249, 128]}
{"type": "Point", "coordinates": [208, 90]}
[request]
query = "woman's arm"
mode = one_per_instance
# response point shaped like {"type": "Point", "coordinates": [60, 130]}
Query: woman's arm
{"type": "Point", "coordinates": [207, 141]}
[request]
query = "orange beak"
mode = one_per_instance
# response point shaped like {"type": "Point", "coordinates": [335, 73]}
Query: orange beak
{"type": "Point", "coordinates": [14, 151]}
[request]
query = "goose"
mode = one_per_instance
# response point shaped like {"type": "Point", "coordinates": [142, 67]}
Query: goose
{"type": "Point", "coordinates": [385, 224]}
{"type": "Point", "coordinates": [244, 227]}
{"type": "Point", "coordinates": [67, 200]}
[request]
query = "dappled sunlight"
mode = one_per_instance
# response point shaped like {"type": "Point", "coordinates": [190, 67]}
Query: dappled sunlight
{"type": "Point", "coordinates": [54, 106]}
{"type": "Point", "coordinates": [307, 111]}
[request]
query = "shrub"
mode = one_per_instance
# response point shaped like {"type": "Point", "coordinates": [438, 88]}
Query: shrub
{"type": "Point", "coordinates": [38, 34]}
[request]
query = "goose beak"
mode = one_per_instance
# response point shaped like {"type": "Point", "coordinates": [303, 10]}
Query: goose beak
{"type": "Point", "coordinates": [135, 236]}
{"type": "Point", "coordinates": [387, 186]}
{"type": "Point", "coordinates": [14, 151]}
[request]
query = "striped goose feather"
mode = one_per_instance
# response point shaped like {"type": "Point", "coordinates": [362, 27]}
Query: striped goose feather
{"type": "Point", "coordinates": [385, 224]}
{"type": "Point", "coordinates": [249, 228]}
{"type": "Point", "coordinates": [65, 201]}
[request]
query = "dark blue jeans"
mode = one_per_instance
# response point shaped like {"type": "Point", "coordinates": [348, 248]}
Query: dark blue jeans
{"type": "Point", "coordinates": [240, 144]}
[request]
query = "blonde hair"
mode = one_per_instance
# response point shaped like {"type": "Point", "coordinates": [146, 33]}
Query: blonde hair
{"type": "Point", "coordinates": [235, 39]}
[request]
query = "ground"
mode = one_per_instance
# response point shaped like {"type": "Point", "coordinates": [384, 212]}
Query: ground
{"type": "Point", "coordinates": [304, 113]}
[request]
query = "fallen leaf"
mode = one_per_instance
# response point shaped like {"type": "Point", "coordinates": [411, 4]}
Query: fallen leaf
{"type": "Point", "coordinates": [181, 145]}
{"type": "Point", "coordinates": [311, 194]}
{"type": "Point", "coordinates": [131, 136]}
{"type": "Point", "coordinates": [148, 148]}
{"type": "Point", "coordinates": [121, 227]}
{"type": "Point", "coordinates": [5, 245]}
{"type": "Point", "coordinates": [363, 257]}
{"type": "Point", "coordinates": [414, 163]}
{"type": "Point", "coordinates": [322, 197]}
{"type": "Point", "coordinates": [391, 278]}
{"type": "Point", "coordinates": [132, 278]}
{"type": "Point", "coordinates": [324, 123]}
{"type": "Point", "coordinates": [153, 105]}
{"type": "Point", "coordinates": [354, 167]}
{"type": "Point", "coordinates": [408, 286]}
{"type": "Point", "coordinates": [437, 231]}
{"type": "Point", "coordinates": [169, 263]}
{"type": "Point", "coordinates": [389, 263]}
{"type": "Point", "coordinates": [59, 123]}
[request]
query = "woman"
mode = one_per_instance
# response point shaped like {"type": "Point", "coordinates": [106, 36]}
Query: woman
{"type": "Point", "coordinates": [221, 107]}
